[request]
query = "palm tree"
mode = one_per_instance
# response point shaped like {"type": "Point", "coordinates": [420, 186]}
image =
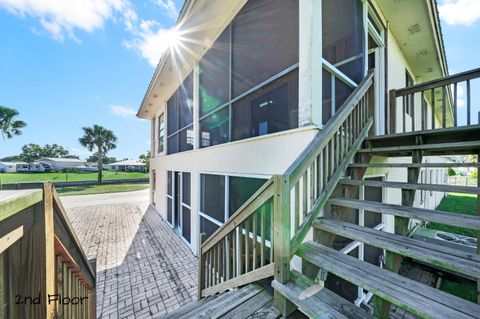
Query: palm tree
{"type": "Point", "coordinates": [8, 125]}
{"type": "Point", "coordinates": [99, 138]}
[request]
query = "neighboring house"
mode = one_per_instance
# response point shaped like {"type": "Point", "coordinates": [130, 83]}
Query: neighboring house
{"type": "Point", "coordinates": [10, 167]}
{"type": "Point", "coordinates": [59, 164]}
{"type": "Point", "coordinates": [128, 166]}
{"type": "Point", "coordinates": [279, 93]}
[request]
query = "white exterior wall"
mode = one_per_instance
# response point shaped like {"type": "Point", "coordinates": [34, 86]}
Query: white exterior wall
{"type": "Point", "coordinates": [261, 156]}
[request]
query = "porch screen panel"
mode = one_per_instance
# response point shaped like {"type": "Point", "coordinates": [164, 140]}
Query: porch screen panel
{"type": "Point", "coordinates": [272, 108]}
{"type": "Point", "coordinates": [240, 190]}
{"type": "Point", "coordinates": [185, 206]}
{"type": "Point", "coordinates": [180, 117]}
{"type": "Point", "coordinates": [264, 42]}
{"type": "Point", "coordinates": [343, 36]}
{"type": "Point", "coordinates": [212, 201]}
{"type": "Point", "coordinates": [215, 74]}
{"type": "Point", "coordinates": [170, 197]}
{"type": "Point", "coordinates": [214, 129]}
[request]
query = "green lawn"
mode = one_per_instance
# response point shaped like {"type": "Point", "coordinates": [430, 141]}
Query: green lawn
{"type": "Point", "coordinates": [462, 204]}
{"type": "Point", "coordinates": [10, 178]}
{"type": "Point", "coordinates": [457, 203]}
{"type": "Point", "coordinates": [465, 290]}
{"type": "Point", "coordinates": [100, 189]}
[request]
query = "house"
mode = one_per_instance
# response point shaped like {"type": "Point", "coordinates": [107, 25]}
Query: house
{"type": "Point", "coordinates": [128, 166]}
{"type": "Point", "coordinates": [59, 164]}
{"type": "Point", "coordinates": [267, 116]}
{"type": "Point", "coordinates": [10, 167]}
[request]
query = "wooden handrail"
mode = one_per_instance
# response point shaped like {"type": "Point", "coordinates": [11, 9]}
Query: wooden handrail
{"type": "Point", "coordinates": [323, 137]}
{"type": "Point", "coordinates": [448, 80]}
{"type": "Point", "coordinates": [252, 204]}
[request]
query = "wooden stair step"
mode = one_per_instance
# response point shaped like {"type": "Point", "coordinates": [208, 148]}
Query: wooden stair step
{"type": "Point", "coordinates": [412, 165]}
{"type": "Point", "coordinates": [417, 298]}
{"type": "Point", "coordinates": [218, 305]}
{"type": "Point", "coordinates": [414, 186]}
{"type": "Point", "coordinates": [321, 304]}
{"type": "Point", "coordinates": [433, 254]}
{"type": "Point", "coordinates": [454, 219]}
{"type": "Point", "coordinates": [457, 146]}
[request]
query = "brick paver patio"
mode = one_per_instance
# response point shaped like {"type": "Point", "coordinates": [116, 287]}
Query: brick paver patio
{"type": "Point", "coordinates": [143, 269]}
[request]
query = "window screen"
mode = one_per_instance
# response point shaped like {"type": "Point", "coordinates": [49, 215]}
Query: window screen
{"type": "Point", "coordinates": [265, 42]}
{"type": "Point", "coordinates": [214, 129]}
{"type": "Point", "coordinates": [240, 190]}
{"type": "Point", "coordinates": [271, 109]}
{"type": "Point", "coordinates": [161, 133]}
{"type": "Point", "coordinates": [207, 226]}
{"type": "Point", "coordinates": [212, 201]}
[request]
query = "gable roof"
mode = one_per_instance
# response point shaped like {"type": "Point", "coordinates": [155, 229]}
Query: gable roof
{"type": "Point", "coordinates": [60, 159]}
{"type": "Point", "coordinates": [128, 163]}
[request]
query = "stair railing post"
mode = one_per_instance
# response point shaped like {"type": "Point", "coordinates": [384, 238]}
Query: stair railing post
{"type": "Point", "coordinates": [201, 266]}
{"type": "Point", "coordinates": [281, 240]}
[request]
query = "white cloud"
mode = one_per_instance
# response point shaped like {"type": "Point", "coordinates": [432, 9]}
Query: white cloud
{"type": "Point", "coordinates": [169, 6]}
{"type": "Point", "coordinates": [150, 41]}
{"type": "Point", "coordinates": [122, 110]}
{"type": "Point", "coordinates": [62, 18]}
{"type": "Point", "coordinates": [460, 12]}
{"type": "Point", "coordinates": [81, 152]}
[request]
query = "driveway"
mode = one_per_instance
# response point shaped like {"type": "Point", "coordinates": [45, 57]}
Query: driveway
{"type": "Point", "coordinates": [143, 268]}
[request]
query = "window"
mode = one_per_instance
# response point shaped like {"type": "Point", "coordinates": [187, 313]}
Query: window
{"type": "Point", "coordinates": [431, 181]}
{"type": "Point", "coordinates": [258, 49]}
{"type": "Point", "coordinates": [170, 204]}
{"type": "Point", "coordinates": [221, 196]}
{"type": "Point", "coordinates": [180, 118]}
{"type": "Point", "coordinates": [161, 133]}
{"type": "Point", "coordinates": [186, 209]}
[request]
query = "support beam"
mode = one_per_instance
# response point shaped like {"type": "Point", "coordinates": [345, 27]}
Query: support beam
{"type": "Point", "coordinates": [310, 64]}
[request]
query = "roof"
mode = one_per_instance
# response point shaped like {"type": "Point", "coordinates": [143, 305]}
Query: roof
{"type": "Point", "coordinates": [60, 159]}
{"type": "Point", "coordinates": [128, 163]}
{"type": "Point", "coordinates": [13, 163]}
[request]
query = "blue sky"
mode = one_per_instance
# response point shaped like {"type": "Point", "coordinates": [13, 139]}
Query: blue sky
{"type": "Point", "coordinates": [69, 64]}
{"type": "Point", "coordinates": [66, 68]}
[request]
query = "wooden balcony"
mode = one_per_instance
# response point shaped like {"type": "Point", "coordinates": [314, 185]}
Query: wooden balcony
{"type": "Point", "coordinates": [44, 272]}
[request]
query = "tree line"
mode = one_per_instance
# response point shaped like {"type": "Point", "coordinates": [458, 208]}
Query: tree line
{"type": "Point", "coordinates": [96, 138]}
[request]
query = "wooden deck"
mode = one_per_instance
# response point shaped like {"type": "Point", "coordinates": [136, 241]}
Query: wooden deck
{"type": "Point", "coordinates": [249, 302]}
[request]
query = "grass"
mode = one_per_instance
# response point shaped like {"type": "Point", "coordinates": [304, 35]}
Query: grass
{"type": "Point", "coordinates": [11, 178]}
{"type": "Point", "coordinates": [465, 290]}
{"type": "Point", "coordinates": [99, 189]}
{"type": "Point", "coordinates": [462, 204]}
{"type": "Point", "coordinates": [457, 203]}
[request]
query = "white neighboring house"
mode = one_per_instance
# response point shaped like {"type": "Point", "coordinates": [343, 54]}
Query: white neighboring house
{"type": "Point", "coordinates": [58, 164]}
{"type": "Point", "coordinates": [128, 166]}
{"type": "Point", "coordinates": [10, 167]}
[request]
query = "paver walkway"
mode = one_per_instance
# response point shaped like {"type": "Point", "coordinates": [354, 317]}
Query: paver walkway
{"type": "Point", "coordinates": [143, 269]}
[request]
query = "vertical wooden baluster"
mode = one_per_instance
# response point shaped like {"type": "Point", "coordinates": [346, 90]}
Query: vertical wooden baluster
{"type": "Point", "coordinates": [433, 108]}
{"type": "Point", "coordinates": [468, 102]}
{"type": "Point", "coordinates": [234, 253]}
{"type": "Point", "coordinates": [254, 240]}
{"type": "Point", "coordinates": [296, 212]}
{"type": "Point", "coordinates": [304, 194]}
{"type": "Point", "coordinates": [311, 191]}
{"type": "Point", "coordinates": [413, 112]}
{"type": "Point", "coordinates": [444, 108]}
{"type": "Point", "coordinates": [320, 173]}
{"type": "Point", "coordinates": [424, 106]}
{"type": "Point", "coordinates": [215, 264]}
{"type": "Point", "coordinates": [241, 249]}
{"type": "Point", "coordinates": [247, 248]}
{"type": "Point", "coordinates": [455, 105]}
{"type": "Point", "coordinates": [332, 159]}
{"type": "Point", "coordinates": [263, 217]}
{"type": "Point", "coordinates": [272, 213]}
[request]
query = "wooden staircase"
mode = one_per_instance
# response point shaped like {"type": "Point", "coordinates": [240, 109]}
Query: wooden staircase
{"type": "Point", "coordinates": [306, 208]}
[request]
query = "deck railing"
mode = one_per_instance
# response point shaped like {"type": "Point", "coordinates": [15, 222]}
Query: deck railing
{"type": "Point", "coordinates": [241, 251]}
{"type": "Point", "coordinates": [441, 103]}
{"type": "Point", "coordinates": [44, 272]}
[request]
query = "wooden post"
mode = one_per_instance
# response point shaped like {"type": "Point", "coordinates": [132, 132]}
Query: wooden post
{"type": "Point", "coordinates": [281, 240]}
{"type": "Point", "coordinates": [201, 266]}
{"type": "Point", "coordinates": [392, 96]}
